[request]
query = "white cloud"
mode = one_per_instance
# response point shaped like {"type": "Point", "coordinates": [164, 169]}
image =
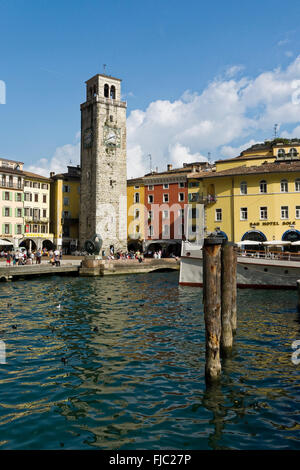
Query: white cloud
{"type": "Point", "coordinates": [62, 157]}
{"type": "Point", "coordinates": [229, 151]}
{"type": "Point", "coordinates": [228, 115]}
{"type": "Point", "coordinates": [180, 154]}
{"type": "Point", "coordinates": [283, 42]}
{"type": "Point", "coordinates": [295, 133]}
{"type": "Point", "coordinates": [234, 70]}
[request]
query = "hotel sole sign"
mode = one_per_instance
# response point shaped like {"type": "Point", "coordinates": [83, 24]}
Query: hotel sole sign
{"type": "Point", "coordinates": [271, 223]}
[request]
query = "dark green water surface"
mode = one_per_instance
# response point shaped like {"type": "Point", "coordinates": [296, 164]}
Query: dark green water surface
{"type": "Point", "coordinates": [137, 382]}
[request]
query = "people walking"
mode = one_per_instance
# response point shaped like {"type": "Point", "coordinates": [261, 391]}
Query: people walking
{"type": "Point", "coordinates": [8, 258]}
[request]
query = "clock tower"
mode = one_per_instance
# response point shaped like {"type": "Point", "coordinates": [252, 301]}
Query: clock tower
{"type": "Point", "coordinates": [103, 207]}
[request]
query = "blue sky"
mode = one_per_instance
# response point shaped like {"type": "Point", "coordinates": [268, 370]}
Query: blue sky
{"type": "Point", "coordinates": [191, 71]}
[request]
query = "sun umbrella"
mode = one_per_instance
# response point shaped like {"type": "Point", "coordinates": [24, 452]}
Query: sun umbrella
{"type": "Point", "coordinates": [248, 242]}
{"type": "Point", "coordinates": [296, 243]}
{"type": "Point", "coordinates": [5, 243]}
{"type": "Point", "coordinates": [276, 242]}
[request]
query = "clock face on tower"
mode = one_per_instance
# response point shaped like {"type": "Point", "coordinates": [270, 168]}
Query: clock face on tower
{"type": "Point", "coordinates": [111, 137]}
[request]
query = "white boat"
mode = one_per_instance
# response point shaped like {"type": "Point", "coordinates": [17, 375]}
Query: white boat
{"type": "Point", "coordinates": [261, 270]}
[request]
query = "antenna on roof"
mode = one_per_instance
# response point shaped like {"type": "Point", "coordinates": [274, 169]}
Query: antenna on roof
{"type": "Point", "coordinates": [150, 157]}
{"type": "Point", "coordinates": [104, 67]}
{"type": "Point", "coordinates": [208, 157]}
{"type": "Point", "coordinates": [275, 131]}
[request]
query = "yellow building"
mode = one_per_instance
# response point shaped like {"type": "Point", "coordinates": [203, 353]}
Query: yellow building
{"type": "Point", "coordinates": [255, 196]}
{"type": "Point", "coordinates": [65, 203]}
{"type": "Point", "coordinates": [135, 213]}
{"type": "Point", "coordinates": [267, 152]}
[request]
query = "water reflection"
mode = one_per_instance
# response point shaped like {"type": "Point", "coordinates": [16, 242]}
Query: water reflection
{"type": "Point", "coordinates": [133, 376]}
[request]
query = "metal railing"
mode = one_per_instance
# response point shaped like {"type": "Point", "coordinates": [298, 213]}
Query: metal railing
{"type": "Point", "coordinates": [7, 184]}
{"type": "Point", "coordinates": [31, 218]}
{"type": "Point", "coordinates": [197, 197]}
{"type": "Point", "coordinates": [267, 254]}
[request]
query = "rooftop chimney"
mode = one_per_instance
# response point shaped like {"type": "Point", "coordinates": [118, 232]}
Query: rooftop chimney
{"type": "Point", "coordinates": [52, 173]}
{"type": "Point", "coordinates": [169, 167]}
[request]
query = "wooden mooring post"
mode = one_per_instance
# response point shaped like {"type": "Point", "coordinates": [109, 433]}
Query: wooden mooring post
{"type": "Point", "coordinates": [298, 290]}
{"type": "Point", "coordinates": [219, 298]}
{"type": "Point", "coordinates": [234, 290]}
{"type": "Point", "coordinates": [227, 297]}
{"type": "Point", "coordinates": [212, 305]}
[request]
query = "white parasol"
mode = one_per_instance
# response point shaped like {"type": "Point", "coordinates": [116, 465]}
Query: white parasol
{"type": "Point", "coordinates": [276, 242]}
{"type": "Point", "coordinates": [5, 243]}
{"type": "Point", "coordinates": [248, 242]}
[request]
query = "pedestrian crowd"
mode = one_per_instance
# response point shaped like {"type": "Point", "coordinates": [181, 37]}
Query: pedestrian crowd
{"type": "Point", "coordinates": [126, 255]}
{"type": "Point", "coordinates": [24, 257]}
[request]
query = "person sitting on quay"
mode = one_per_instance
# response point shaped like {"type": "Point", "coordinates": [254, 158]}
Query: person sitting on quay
{"type": "Point", "coordinates": [16, 258]}
{"type": "Point", "coordinates": [57, 257]}
{"type": "Point", "coordinates": [29, 259]}
{"type": "Point", "coordinates": [38, 256]}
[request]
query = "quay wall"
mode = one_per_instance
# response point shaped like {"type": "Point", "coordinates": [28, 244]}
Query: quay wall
{"type": "Point", "coordinates": [97, 267]}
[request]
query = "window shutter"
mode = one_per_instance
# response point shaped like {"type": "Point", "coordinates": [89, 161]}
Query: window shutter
{"type": "Point", "coordinates": [16, 231]}
{"type": "Point", "coordinates": [10, 212]}
{"type": "Point", "coordinates": [3, 229]}
{"type": "Point", "coordinates": [16, 212]}
{"type": "Point", "coordinates": [10, 232]}
{"type": "Point", "coordinates": [22, 197]}
{"type": "Point", "coordinates": [3, 212]}
{"type": "Point", "coordinates": [10, 196]}
{"type": "Point", "coordinates": [3, 195]}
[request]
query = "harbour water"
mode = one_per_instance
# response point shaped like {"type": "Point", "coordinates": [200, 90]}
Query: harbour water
{"type": "Point", "coordinates": [102, 363]}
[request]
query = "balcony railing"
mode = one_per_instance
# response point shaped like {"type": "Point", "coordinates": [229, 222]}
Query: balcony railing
{"type": "Point", "coordinates": [197, 197]}
{"type": "Point", "coordinates": [69, 219]}
{"type": "Point", "coordinates": [36, 219]}
{"type": "Point", "coordinates": [7, 184]}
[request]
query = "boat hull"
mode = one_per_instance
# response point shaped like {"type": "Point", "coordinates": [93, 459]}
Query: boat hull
{"type": "Point", "coordinates": [251, 273]}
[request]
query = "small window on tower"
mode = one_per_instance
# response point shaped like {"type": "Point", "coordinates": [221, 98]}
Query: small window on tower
{"type": "Point", "coordinates": [111, 118]}
{"type": "Point", "coordinates": [112, 92]}
{"type": "Point", "coordinates": [106, 90]}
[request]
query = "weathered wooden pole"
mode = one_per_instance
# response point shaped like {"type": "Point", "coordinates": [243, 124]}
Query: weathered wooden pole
{"type": "Point", "coordinates": [234, 291]}
{"type": "Point", "coordinates": [212, 305]}
{"type": "Point", "coordinates": [298, 290]}
{"type": "Point", "coordinates": [227, 287]}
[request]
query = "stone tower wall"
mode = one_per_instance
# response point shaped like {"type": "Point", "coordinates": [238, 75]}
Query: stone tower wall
{"type": "Point", "coordinates": [103, 207]}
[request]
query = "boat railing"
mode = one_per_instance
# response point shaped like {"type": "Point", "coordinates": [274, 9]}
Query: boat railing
{"type": "Point", "coordinates": [276, 255]}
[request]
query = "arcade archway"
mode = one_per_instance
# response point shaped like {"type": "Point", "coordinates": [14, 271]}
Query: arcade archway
{"type": "Point", "coordinates": [48, 245]}
{"type": "Point", "coordinates": [291, 235]}
{"type": "Point", "coordinates": [29, 244]}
